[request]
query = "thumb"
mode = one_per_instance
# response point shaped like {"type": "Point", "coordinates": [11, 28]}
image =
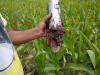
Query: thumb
{"type": "Point", "coordinates": [47, 18]}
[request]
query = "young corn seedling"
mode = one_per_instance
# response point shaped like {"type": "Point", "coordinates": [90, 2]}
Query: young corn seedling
{"type": "Point", "coordinates": [55, 25]}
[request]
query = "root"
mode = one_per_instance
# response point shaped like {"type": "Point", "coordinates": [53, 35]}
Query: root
{"type": "Point", "coordinates": [56, 38]}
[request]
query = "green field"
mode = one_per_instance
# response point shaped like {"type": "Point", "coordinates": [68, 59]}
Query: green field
{"type": "Point", "coordinates": [80, 52]}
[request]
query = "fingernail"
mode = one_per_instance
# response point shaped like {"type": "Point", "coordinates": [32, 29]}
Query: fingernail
{"type": "Point", "coordinates": [50, 14]}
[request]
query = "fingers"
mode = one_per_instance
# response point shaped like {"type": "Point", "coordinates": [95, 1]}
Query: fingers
{"type": "Point", "coordinates": [47, 18]}
{"type": "Point", "coordinates": [45, 32]}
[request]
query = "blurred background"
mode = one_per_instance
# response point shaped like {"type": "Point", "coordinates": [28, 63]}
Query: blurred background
{"type": "Point", "coordinates": [80, 52]}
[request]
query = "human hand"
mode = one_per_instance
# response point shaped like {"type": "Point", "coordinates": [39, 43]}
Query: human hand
{"type": "Point", "coordinates": [41, 28]}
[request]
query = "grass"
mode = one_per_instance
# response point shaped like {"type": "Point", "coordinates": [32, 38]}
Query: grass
{"type": "Point", "coordinates": [80, 53]}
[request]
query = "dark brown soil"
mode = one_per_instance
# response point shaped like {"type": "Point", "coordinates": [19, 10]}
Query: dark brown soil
{"type": "Point", "coordinates": [56, 36]}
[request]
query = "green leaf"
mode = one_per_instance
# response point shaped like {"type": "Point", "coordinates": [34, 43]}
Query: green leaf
{"type": "Point", "coordinates": [92, 46]}
{"type": "Point", "coordinates": [26, 60]}
{"type": "Point", "coordinates": [92, 57]}
{"type": "Point", "coordinates": [21, 51]}
{"type": "Point", "coordinates": [79, 67]}
{"type": "Point", "coordinates": [69, 45]}
{"type": "Point", "coordinates": [50, 67]}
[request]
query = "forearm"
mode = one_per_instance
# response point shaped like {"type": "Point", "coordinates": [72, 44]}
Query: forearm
{"type": "Point", "coordinates": [20, 37]}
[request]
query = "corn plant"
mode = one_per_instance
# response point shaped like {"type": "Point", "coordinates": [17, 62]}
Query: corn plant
{"type": "Point", "coordinates": [80, 52]}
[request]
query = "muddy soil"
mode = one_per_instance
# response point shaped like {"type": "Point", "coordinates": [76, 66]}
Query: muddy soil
{"type": "Point", "coordinates": [56, 38]}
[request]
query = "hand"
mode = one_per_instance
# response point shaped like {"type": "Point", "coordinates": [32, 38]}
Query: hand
{"type": "Point", "coordinates": [41, 28]}
{"type": "Point", "coordinates": [20, 37]}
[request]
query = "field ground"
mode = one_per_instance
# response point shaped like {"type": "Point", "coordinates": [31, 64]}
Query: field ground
{"type": "Point", "coordinates": [80, 53]}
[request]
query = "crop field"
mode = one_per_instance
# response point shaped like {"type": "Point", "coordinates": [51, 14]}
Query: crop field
{"type": "Point", "coordinates": [80, 52]}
